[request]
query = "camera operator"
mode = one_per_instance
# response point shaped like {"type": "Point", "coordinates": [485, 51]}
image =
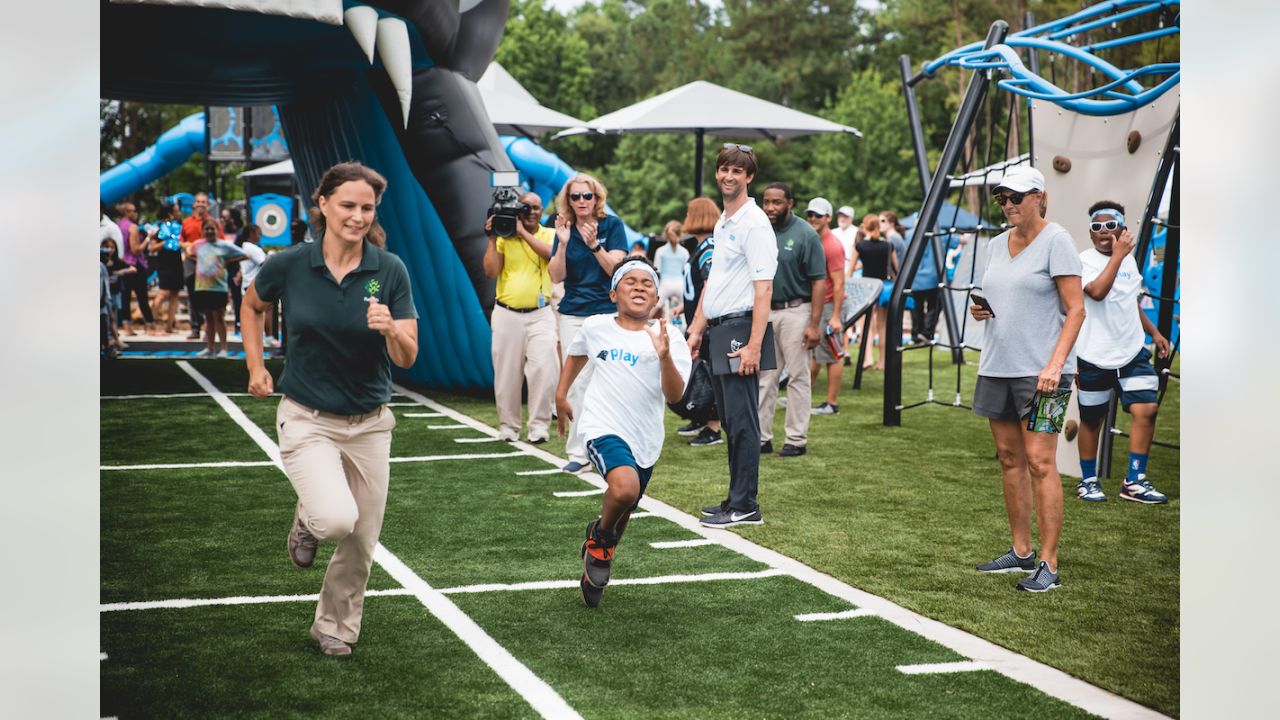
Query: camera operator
{"type": "Point", "coordinates": [524, 326]}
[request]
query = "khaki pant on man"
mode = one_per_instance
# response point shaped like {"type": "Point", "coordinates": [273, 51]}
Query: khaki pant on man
{"type": "Point", "coordinates": [339, 466]}
{"type": "Point", "coordinates": [574, 446]}
{"type": "Point", "coordinates": [524, 348]}
{"type": "Point", "coordinates": [788, 335]}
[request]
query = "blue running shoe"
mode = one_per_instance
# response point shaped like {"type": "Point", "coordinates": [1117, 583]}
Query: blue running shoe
{"type": "Point", "coordinates": [1090, 491]}
{"type": "Point", "coordinates": [1142, 491]}
{"type": "Point", "coordinates": [1042, 580]}
{"type": "Point", "coordinates": [1010, 562]}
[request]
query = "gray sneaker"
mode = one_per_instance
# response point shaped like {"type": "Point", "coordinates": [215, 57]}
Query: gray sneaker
{"type": "Point", "coordinates": [1041, 580]}
{"type": "Point", "coordinates": [330, 645]}
{"type": "Point", "coordinates": [1010, 562]}
{"type": "Point", "coordinates": [825, 408]}
{"type": "Point", "coordinates": [302, 544]}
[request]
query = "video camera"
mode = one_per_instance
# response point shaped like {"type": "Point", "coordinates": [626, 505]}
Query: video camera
{"type": "Point", "coordinates": [506, 211]}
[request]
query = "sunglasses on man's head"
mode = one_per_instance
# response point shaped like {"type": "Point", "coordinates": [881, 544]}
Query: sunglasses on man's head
{"type": "Point", "coordinates": [1015, 198]}
{"type": "Point", "coordinates": [1108, 225]}
{"type": "Point", "coordinates": [582, 196]}
{"type": "Point", "coordinates": [736, 146]}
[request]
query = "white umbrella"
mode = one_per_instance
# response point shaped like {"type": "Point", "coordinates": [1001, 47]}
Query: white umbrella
{"type": "Point", "coordinates": [513, 110]}
{"type": "Point", "coordinates": [703, 108]}
{"type": "Point", "coordinates": [284, 167]}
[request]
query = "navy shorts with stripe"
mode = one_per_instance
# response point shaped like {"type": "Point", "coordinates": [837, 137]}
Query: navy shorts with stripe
{"type": "Point", "coordinates": [610, 451]}
{"type": "Point", "coordinates": [1137, 382]}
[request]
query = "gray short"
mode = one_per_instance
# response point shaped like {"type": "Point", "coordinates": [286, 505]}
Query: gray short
{"type": "Point", "coordinates": [1002, 398]}
{"type": "Point", "coordinates": [820, 351]}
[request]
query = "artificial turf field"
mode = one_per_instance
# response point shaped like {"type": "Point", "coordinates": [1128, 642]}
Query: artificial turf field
{"type": "Point", "coordinates": [903, 513]}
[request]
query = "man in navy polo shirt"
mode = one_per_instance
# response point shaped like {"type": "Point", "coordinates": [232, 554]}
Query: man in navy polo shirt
{"type": "Point", "coordinates": [740, 286]}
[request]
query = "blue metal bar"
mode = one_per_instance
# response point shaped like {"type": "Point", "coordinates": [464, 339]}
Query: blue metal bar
{"type": "Point", "coordinates": [1101, 22]}
{"type": "Point", "coordinates": [1121, 105]}
{"type": "Point", "coordinates": [1130, 40]}
{"type": "Point", "coordinates": [1057, 26]}
{"type": "Point", "coordinates": [1014, 61]}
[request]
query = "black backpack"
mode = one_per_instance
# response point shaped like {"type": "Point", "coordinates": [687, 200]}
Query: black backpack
{"type": "Point", "coordinates": [698, 403]}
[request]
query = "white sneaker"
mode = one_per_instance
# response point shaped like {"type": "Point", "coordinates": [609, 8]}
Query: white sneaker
{"type": "Point", "coordinates": [223, 354]}
{"type": "Point", "coordinates": [205, 353]}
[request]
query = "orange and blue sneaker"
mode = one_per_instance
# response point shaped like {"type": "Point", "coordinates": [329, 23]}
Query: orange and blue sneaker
{"type": "Point", "coordinates": [597, 555]}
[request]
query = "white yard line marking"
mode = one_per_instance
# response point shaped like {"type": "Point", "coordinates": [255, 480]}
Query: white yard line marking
{"type": "Point", "coordinates": [552, 471]}
{"type": "Point", "coordinates": [640, 514]}
{"type": "Point", "coordinates": [1048, 680]}
{"type": "Point", "coordinates": [269, 463]}
{"type": "Point", "coordinates": [238, 600]}
{"type": "Point", "coordinates": [533, 689]}
{"type": "Point", "coordinates": [267, 444]}
{"type": "Point", "coordinates": [573, 584]}
{"type": "Point", "coordinates": [672, 544]}
{"type": "Point", "coordinates": [459, 456]}
{"type": "Point", "coordinates": [842, 615]}
{"type": "Point", "coordinates": [423, 415]}
{"type": "Point", "coordinates": [579, 493]}
{"type": "Point", "coordinates": [188, 466]}
{"type": "Point", "coordinates": [477, 440]}
{"type": "Point", "coordinates": [404, 404]}
{"type": "Point", "coordinates": [448, 427]}
{"type": "Point", "coordinates": [947, 667]}
{"type": "Point", "coordinates": [179, 603]}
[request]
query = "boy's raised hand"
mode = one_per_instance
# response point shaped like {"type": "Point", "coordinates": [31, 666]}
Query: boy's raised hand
{"type": "Point", "coordinates": [661, 341]}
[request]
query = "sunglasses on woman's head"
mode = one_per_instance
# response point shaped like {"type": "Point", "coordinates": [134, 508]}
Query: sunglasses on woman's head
{"type": "Point", "coordinates": [1015, 198]}
{"type": "Point", "coordinates": [1108, 225]}
{"type": "Point", "coordinates": [575, 197]}
{"type": "Point", "coordinates": [736, 146]}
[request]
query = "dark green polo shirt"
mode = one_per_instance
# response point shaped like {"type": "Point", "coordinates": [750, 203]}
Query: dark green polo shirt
{"type": "Point", "coordinates": [335, 363]}
{"type": "Point", "coordinates": [800, 260]}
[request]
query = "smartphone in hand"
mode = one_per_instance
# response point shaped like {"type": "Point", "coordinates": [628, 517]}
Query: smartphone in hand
{"type": "Point", "coordinates": [981, 301]}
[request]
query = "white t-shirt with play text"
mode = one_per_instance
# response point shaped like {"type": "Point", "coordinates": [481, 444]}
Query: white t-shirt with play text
{"type": "Point", "coordinates": [624, 397]}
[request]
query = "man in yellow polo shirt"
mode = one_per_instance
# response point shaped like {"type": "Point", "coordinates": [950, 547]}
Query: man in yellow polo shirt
{"type": "Point", "coordinates": [524, 326]}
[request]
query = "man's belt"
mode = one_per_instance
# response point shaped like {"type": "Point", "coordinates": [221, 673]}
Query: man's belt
{"type": "Point", "coordinates": [793, 302]}
{"type": "Point", "coordinates": [501, 304]}
{"type": "Point", "coordinates": [725, 318]}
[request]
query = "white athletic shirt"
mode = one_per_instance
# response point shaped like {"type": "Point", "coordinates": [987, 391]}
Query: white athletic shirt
{"type": "Point", "coordinates": [624, 397]}
{"type": "Point", "coordinates": [252, 263]}
{"type": "Point", "coordinates": [746, 251]}
{"type": "Point", "coordinates": [1112, 333]}
{"type": "Point", "coordinates": [846, 236]}
{"type": "Point", "coordinates": [671, 263]}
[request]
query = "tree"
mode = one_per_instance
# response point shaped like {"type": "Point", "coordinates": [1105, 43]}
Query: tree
{"type": "Point", "coordinates": [878, 171]}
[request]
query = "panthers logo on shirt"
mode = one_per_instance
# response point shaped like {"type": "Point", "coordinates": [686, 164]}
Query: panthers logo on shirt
{"type": "Point", "coordinates": [603, 355]}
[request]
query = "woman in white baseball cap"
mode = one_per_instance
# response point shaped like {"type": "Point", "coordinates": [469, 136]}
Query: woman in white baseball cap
{"type": "Point", "coordinates": [1033, 306]}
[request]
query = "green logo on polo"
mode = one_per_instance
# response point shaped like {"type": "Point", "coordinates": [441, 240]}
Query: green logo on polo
{"type": "Point", "coordinates": [372, 287]}
{"type": "Point", "coordinates": [790, 242]}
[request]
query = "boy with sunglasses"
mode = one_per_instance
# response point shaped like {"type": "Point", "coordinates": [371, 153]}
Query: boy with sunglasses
{"type": "Point", "coordinates": [1111, 354]}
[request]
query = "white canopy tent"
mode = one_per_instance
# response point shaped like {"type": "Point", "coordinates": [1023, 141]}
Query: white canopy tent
{"type": "Point", "coordinates": [703, 107]}
{"type": "Point", "coordinates": [513, 110]}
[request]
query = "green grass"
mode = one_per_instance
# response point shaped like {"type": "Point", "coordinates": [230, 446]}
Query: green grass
{"type": "Point", "coordinates": [901, 512]}
{"type": "Point", "coordinates": [906, 512]}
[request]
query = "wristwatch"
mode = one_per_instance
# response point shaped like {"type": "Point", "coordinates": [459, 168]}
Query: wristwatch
{"type": "Point", "coordinates": [598, 248]}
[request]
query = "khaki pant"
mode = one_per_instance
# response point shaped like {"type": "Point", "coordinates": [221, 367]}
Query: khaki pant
{"type": "Point", "coordinates": [788, 336]}
{"type": "Point", "coordinates": [524, 348]}
{"type": "Point", "coordinates": [339, 467]}
{"type": "Point", "coordinates": [574, 445]}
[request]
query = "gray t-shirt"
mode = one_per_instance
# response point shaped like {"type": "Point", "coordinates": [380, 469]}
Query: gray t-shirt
{"type": "Point", "coordinates": [1019, 340]}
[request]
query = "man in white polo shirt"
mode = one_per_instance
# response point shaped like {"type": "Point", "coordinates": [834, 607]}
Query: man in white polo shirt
{"type": "Point", "coordinates": [737, 297]}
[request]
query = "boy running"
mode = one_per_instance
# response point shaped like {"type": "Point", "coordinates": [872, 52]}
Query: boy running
{"type": "Point", "coordinates": [638, 364]}
{"type": "Point", "coordinates": [1110, 355]}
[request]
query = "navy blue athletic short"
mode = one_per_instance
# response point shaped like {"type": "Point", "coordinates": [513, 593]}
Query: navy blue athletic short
{"type": "Point", "coordinates": [1137, 382]}
{"type": "Point", "coordinates": [610, 451]}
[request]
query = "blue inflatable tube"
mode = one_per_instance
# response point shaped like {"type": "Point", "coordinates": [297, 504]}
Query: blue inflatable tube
{"type": "Point", "coordinates": [170, 151]}
{"type": "Point", "coordinates": [546, 173]}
